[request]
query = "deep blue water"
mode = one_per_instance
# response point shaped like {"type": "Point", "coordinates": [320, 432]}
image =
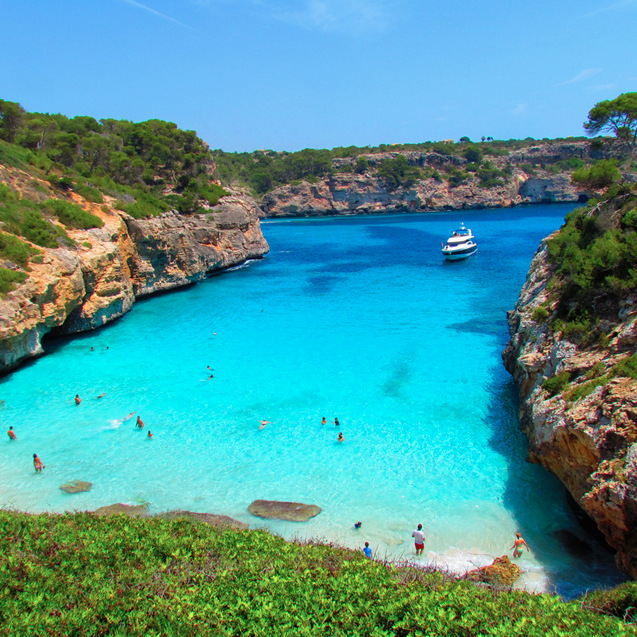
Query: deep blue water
{"type": "Point", "coordinates": [358, 318]}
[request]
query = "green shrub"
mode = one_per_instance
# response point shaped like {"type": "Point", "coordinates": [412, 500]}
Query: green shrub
{"type": "Point", "coordinates": [540, 314]}
{"type": "Point", "coordinates": [557, 383]}
{"type": "Point", "coordinates": [90, 194]}
{"type": "Point", "coordinates": [620, 601]}
{"type": "Point", "coordinates": [626, 367]}
{"type": "Point", "coordinates": [38, 230]}
{"type": "Point", "coordinates": [72, 215]}
{"type": "Point", "coordinates": [10, 279]}
{"type": "Point", "coordinates": [599, 176]}
{"type": "Point", "coordinates": [80, 574]}
{"type": "Point", "coordinates": [583, 390]}
{"type": "Point", "coordinates": [38, 258]}
{"type": "Point", "coordinates": [7, 193]}
{"type": "Point", "coordinates": [15, 250]}
{"type": "Point", "coordinates": [87, 244]}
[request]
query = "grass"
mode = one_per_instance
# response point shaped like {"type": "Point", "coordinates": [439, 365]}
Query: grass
{"type": "Point", "coordinates": [79, 574]}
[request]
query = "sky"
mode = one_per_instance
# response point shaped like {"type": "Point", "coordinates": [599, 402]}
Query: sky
{"type": "Point", "coordinates": [294, 74]}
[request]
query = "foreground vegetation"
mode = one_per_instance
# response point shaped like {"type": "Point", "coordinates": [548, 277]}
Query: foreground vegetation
{"type": "Point", "coordinates": [79, 574]}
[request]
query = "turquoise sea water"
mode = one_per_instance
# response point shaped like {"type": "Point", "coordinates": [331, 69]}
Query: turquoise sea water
{"type": "Point", "coordinates": [357, 318]}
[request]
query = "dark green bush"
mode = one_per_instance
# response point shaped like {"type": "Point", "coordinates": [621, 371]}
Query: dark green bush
{"type": "Point", "coordinates": [626, 367]}
{"type": "Point", "coordinates": [557, 383]}
{"type": "Point", "coordinates": [72, 215]}
{"type": "Point", "coordinates": [15, 250]}
{"type": "Point", "coordinates": [601, 175]}
{"type": "Point", "coordinates": [540, 314]}
{"type": "Point", "coordinates": [619, 602]}
{"type": "Point", "coordinates": [90, 194]}
{"type": "Point", "coordinates": [583, 390]}
{"type": "Point", "coordinates": [10, 279]}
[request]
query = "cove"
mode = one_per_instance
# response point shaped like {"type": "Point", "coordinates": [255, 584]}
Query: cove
{"type": "Point", "coordinates": [357, 318]}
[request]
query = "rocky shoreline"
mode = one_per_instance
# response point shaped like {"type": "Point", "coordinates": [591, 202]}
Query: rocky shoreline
{"type": "Point", "coordinates": [348, 193]}
{"type": "Point", "coordinates": [588, 442]}
{"type": "Point", "coordinates": [82, 288]}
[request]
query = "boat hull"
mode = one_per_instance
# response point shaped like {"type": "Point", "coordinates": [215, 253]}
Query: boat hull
{"type": "Point", "coordinates": [460, 254]}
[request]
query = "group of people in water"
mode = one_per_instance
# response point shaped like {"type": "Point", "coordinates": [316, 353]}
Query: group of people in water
{"type": "Point", "coordinates": [341, 437]}
{"type": "Point", "coordinates": [419, 542]}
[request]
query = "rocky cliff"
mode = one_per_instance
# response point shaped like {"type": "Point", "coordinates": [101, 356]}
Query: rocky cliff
{"type": "Point", "coordinates": [527, 175]}
{"type": "Point", "coordinates": [348, 193]}
{"type": "Point", "coordinates": [578, 393]}
{"type": "Point", "coordinates": [81, 288]}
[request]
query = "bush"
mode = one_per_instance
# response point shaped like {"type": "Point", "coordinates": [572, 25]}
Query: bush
{"type": "Point", "coordinates": [90, 194]}
{"type": "Point", "coordinates": [7, 193]}
{"type": "Point", "coordinates": [619, 602]}
{"type": "Point", "coordinates": [585, 389]}
{"type": "Point", "coordinates": [599, 176]}
{"type": "Point", "coordinates": [15, 250]}
{"type": "Point", "coordinates": [557, 383]}
{"type": "Point", "coordinates": [10, 279]}
{"type": "Point", "coordinates": [72, 215]}
{"type": "Point", "coordinates": [540, 314]}
{"type": "Point", "coordinates": [626, 367]}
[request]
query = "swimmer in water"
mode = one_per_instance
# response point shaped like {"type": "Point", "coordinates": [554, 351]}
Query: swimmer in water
{"type": "Point", "coordinates": [100, 396]}
{"type": "Point", "coordinates": [11, 434]}
{"type": "Point", "coordinates": [518, 544]}
{"type": "Point", "coordinates": [78, 400]}
{"type": "Point", "coordinates": [341, 438]}
{"type": "Point", "coordinates": [150, 435]}
{"type": "Point", "coordinates": [358, 525]}
{"type": "Point", "coordinates": [132, 413]}
{"type": "Point", "coordinates": [37, 463]}
{"type": "Point", "coordinates": [336, 421]}
{"type": "Point", "coordinates": [264, 423]}
{"type": "Point", "coordinates": [139, 423]}
{"type": "Point", "coordinates": [92, 349]}
{"type": "Point", "coordinates": [324, 420]}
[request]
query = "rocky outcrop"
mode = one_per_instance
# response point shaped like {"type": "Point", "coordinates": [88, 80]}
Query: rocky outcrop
{"type": "Point", "coordinates": [586, 438]}
{"type": "Point", "coordinates": [502, 573]}
{"type": "Point", "coordinates": [349, 193]}
{"type": "Point", "coordinates": [77, 486]}
{"type": "Point", "coordinates": [290, 511]}
{"type": "Point", "coordinates": [80, 289]}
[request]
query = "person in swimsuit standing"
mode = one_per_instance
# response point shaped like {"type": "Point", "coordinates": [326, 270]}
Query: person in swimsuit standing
{"type": "Point", "coordinates": [139, 423]}
{"type": "Point", "coordinates": [518, 544]}
{"type": "Point", "coordinates": [419, 539]}
{"type": "Point", "coordinates": [37, 463]}
{"type": "Point", "coordinates": [11, 434]}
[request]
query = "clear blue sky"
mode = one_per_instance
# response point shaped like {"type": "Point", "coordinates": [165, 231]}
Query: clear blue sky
{"type": "Point", "coordinates": [292, 74]}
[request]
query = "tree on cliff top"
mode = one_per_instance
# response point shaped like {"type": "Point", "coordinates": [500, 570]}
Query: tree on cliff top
{"type": "Point", "coordinates": [618, 116]}
{"type": "Point", "coordinates": [11, 118]}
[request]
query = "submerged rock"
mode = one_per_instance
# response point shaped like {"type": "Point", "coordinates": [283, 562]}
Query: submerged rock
{"type": "Point", "coordinates": [206, 518]}
{"type": "Point", "coordinates": [501, 573]}
{"type": "Point", "coordinates": [77, 486]}
{"type": "Point", "coordinates": [291, 511]}
{"type": "Point", "coordinates": [134, 511]}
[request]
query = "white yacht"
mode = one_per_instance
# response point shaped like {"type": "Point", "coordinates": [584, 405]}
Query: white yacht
{"type": "Point", "coordinates": [460, 244]}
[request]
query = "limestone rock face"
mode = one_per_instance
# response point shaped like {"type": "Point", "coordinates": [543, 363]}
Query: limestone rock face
{"type": "Point", "coordinates": [75, 290]}
{"type": "Point", "coordinates": [290, 511]}
{"type": "Point", "coordinates": [589, 443]}
{"type": "Point", "coordinates": [348, 193]}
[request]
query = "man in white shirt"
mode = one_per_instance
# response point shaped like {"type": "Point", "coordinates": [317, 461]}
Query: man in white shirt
{"type": "Point", "coordinates": [419, 536]}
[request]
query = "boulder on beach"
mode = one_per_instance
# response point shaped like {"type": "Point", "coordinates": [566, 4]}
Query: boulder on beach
{"type": "Point", "coordinates": [501, 573]}
{"type": "Point", "coordinates": [77, 486]}
{"type": "Point", "coordinates": [206, 518]}
{"type": "Point", "coordinates": [134, 511]}
{"type": "Point", "coordinates": [290, 511]}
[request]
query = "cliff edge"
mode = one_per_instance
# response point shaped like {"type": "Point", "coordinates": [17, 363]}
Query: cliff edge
{"type": "Point", "coordinates": [572, 354]}
{"type": "Point", "coordinates": [98, 278]}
